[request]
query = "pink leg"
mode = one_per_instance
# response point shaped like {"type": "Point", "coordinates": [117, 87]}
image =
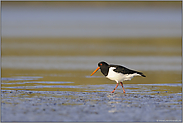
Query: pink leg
{"type": "Point", "coordinates": [122, 87]}
{"type": "Point", "coordinates": [115, 88]}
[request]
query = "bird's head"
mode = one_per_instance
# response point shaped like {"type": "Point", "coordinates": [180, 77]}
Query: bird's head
{"type": "Point", "coordinates": [100, 65]}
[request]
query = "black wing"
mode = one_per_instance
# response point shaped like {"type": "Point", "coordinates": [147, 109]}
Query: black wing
{"type": "Point", "coordinates": [124, 70]}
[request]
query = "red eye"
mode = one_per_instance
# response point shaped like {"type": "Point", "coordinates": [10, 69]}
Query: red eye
{"type": "Point", "coordinates": [101, 64]}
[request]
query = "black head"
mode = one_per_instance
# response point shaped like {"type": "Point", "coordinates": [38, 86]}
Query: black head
{"type": "Point", "coordinates": [102, 64]}
{"type": "Point", "coordinates": [104, 67]}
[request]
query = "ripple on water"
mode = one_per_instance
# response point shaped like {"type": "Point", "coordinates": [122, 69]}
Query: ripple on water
{"type": "Point", "coordinates": [161, 84]}
{"type": "Point", "coordinates": [19, 78]}
{"type": "Point", "coordinates": [42, 86]}
{"type": "Point", "coordinates": [44, 82]}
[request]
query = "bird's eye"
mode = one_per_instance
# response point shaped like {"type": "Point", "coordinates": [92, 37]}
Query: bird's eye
{"type": "Point", "coordinates": [101, 64]}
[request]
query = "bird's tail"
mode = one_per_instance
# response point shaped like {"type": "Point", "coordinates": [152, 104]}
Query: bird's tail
{"type": "Point", "coordinates": [141, 74]}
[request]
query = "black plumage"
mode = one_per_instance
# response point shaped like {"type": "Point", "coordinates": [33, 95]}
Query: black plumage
{"type": "Point", "coordinates": [124, 70]}
{"type": "Point", "coordinates": [119, 69]}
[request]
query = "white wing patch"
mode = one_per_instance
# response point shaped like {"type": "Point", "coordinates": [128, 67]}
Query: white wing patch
{"type": "Point", "coordinates": [119, 77]}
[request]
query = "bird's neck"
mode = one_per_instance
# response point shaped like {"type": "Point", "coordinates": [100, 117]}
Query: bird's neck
{"type": "Point", "coordinates": [105, 71]}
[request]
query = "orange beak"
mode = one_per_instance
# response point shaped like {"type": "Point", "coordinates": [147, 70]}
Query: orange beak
{"type": "Point", "coordinates": [95, 71]}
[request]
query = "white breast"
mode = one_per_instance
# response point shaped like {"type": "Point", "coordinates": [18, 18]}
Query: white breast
{"type": "Point", "coordinates": [119, 77]}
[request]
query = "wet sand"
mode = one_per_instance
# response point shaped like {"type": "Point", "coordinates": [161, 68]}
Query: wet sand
{"type": "Point", "coordinates": [89, 106]}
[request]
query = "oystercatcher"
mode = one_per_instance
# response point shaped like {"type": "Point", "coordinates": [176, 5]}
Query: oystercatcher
{"type": "Point", "coordinates": [117, 73]}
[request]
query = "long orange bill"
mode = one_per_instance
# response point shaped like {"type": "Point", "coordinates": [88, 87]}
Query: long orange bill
{"type": "Point", "coordinates": [95, 71]}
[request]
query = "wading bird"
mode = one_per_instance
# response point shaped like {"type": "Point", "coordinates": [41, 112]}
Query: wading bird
{"type": "Point", "coordinates": [117, 73]}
